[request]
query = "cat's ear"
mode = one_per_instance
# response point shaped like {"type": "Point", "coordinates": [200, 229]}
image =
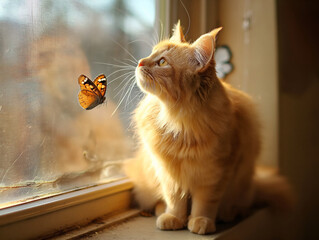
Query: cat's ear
{"type": "Point", "coordinates": [178, 35]}
{"type": "Point", "coordinates": [204, 48]}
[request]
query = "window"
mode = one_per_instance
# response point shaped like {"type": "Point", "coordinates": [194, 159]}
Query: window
{"type": "Point", "coordinates": [49, 144]}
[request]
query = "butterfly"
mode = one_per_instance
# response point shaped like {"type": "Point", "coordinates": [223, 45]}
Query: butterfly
{"type": "Point", "coordinates": [92, 93]}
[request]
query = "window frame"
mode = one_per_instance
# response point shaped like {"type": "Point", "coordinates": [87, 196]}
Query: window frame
{"type": "Point", "coordinates": [65, 211]}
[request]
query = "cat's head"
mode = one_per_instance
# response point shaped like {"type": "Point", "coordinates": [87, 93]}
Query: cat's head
{"type": "Point", "coordinates": [177, 71]}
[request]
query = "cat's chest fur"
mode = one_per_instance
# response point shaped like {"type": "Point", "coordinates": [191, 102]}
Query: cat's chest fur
{"type": "Point", "coordinates": [182, 159]}
{"type": "Point", "coordinates": [184, 152]}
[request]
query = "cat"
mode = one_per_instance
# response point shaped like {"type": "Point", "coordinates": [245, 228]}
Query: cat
{"type": "Point", "coordinates": [199, 139]}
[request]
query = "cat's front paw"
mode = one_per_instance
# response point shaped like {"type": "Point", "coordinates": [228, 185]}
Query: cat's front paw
{"type": "Point", "coordinates": [201, 225]}
{"type": "Point", "coordinates": [168, 221]}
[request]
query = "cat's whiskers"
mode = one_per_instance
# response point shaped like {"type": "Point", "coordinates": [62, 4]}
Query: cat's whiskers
{"type": "Point", "coordinates": [139, 40]}
{"type": "Point", "coordinates": [122, 99]}
{"type": "Point", "coordinates": [132, 84]}
{"type": "Point", "coordinates": [128, 76]}
{"type": "Point", "coordinates": [140, 94]}
{"type": "Point", "coordinates": [135, 63]}
{"type": "Point", "coordinates": [162, 31]}
{"type": "Point", "coordinates": [126, 82]}
{"type": "Point", "coordinates": [155, 37]}
{"type": "Point", "coordinates": [188, 17]}
{"type": "Point", "coordinates": [127, 51]}
{"type": "Point", "coordinates": [116, 65]}
{"type": "Point", "coordinates": [121, 70]}
{"type": "Point", "coordinates": [158, 36]}
{"type": "Point", "coordinates": [132, 63]}
{"type": "Point", "coordinates": [124, 74]}
{"type": "Point", "coordinates": [128, 69]}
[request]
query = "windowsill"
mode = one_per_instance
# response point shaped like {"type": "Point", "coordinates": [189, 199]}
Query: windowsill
{"type": "Point", "coordinates": [43, 217]}
{"type": "Point", "coordinates": [102, 212]}
{"type": "Point", "coordinates": [260, 225]}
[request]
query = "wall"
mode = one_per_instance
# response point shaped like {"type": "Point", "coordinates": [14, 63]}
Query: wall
{"type": "Point", "coordinates": [298, 39]}
{"type": "Point", "coordinates": [255, 61]}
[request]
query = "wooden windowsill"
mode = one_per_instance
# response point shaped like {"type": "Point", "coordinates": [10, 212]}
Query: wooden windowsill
{"type": "Point", "coordinates": [260, 225]}
{"type": "Point", "coordinates": [41, 218]}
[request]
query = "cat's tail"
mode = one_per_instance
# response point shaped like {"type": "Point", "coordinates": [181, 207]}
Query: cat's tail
{"type": "Point", "coordinates": [275, 191]}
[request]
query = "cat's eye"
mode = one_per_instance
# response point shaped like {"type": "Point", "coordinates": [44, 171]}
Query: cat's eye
{"type": "Point", "coordinates": [162, 62]}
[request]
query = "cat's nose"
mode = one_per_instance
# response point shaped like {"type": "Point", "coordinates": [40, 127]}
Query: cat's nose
{"type": "Point", "coordinates": [141, 63]}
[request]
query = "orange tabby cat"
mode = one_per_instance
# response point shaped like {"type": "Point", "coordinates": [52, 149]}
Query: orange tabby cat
{"type": "Point", "coordinates": [199, 139]}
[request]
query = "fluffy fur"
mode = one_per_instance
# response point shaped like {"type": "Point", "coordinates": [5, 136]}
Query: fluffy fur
{"type": "Point", "coordinates": [199, 138]}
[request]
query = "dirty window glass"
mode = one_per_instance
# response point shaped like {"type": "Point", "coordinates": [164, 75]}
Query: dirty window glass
{"type": "Point", "coordinates": [48, 143]}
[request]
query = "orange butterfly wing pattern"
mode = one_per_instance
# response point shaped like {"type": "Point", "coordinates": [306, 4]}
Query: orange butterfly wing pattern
{"type": "Point", "coordinates": [92, 93]}
{"type": "Point", "coordinates": [100, 83]}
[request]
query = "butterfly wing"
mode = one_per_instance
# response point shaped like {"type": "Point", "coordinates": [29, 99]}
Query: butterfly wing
{"type": "Point", "coordinates": [101, 84]}
{"type": "Point", "coordinates": [89, 95]}
{"type": "Point", "coordinates": [88, 100]}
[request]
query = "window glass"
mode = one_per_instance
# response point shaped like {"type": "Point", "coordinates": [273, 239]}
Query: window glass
{"type": "Point", "coordinates": [48, 143]}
